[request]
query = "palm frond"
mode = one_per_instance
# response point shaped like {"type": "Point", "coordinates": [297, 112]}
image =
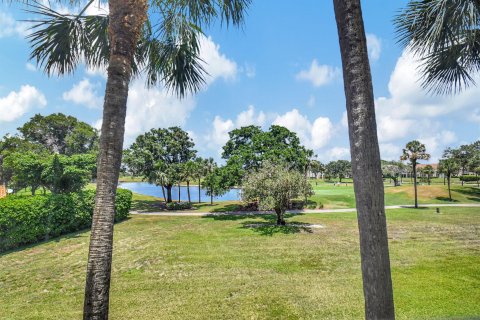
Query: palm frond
{"type": "Point", "coordinates": [444, 34]}
{"type": "Point", "coordinates": [61, 42]}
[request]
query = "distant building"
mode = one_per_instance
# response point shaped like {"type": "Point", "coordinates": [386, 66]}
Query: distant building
{"type": "Point", "coordinates": [3, 191]}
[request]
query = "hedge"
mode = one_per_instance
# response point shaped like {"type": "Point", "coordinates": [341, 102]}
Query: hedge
{"type": "Point", "coordinates": [469, 178]}
{"type": "Point", "coordinates": [29, 219]}
{"type": "Point", "coordinates": [179, 205]}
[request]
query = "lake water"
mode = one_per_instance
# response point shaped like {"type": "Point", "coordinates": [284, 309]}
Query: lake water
{"type": "Point", "coordinates": [156, 191]}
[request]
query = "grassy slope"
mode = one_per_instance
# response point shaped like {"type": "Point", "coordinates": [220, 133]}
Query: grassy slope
{"type": "Point", "coordinates": [335, 197]}
{"type": "Point", "coordinates": [219, 268]}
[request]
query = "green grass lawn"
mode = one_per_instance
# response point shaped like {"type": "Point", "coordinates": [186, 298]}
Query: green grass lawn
{"type": "Point", "coordinates": [223, 268]}
{"type": "Point", "coordinates": [339, 197]}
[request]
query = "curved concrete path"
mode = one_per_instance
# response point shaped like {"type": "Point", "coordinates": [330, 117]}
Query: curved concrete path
{"type": "Point", "coordinates": [201, 214]}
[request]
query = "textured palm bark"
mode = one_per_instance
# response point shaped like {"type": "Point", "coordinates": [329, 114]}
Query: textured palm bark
{"type": "Point", "coordinates": [126, 20]}
{"type": "Point", "coordinates": [367, 174]}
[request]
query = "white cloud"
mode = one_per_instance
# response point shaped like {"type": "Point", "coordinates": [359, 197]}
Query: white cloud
{"type": "Point", "coordinates": [250, 70]}
{"type": "Point", "coordinates": [319, 75]}
{"type": "Point", "coordinates": [10, 27]}
{"type": "Point", "coordinates": [216, 64]}
{"type": "Point", "coordinates": [218, 135]}
{"type": "Point", "coordinates": [409, 112]}
{"type": "Point", "coordinates": [16, 104]}
{"type": "Point", "coordinates": [154, 108]}
{"type": "Point", "coordinates": [249, 117]}
{"type": "Point", "coordinates": [30, 67]}
{"type": "Point", "coordinates": [374, 45]}
{"type": "Point", "coordinates": [99, 71]}
{"type": "Point", "coordinates": [336, 153]}
{"type": "Point", "coordinates": [84, 93]}
{"type": "Point", "coordinates": [315, 135]}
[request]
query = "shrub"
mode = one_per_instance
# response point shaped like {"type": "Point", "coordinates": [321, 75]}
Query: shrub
{"type": "Point", "coordinates": [29, 219]}
{"type": "Point", "coordinates": [469, 178]}
{"type": "Point", "coordinates": [179, 205]}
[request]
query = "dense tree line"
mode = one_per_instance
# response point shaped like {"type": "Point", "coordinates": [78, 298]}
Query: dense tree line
{"type": "Point", "coordinates": [55, 152]}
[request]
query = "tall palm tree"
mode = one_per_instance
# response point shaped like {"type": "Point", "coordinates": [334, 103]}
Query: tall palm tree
{"type": "Point", "coordinates": [448, 166]}
{"type": "Point", "coordinates": [199, 173]}
{"type": "Point", "coordinates": [162, 42]}
{"type": "Point", "coordinates": [444, 34]}
{"type": "Point", "coordinates": [189, 173]}
{"type": "Point", "coordinates": [414, 151]}
{"type": "Point", "coordinates": [366, 167]}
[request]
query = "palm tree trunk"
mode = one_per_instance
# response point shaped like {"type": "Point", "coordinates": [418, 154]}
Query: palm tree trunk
{"type": "Point", "coordinates": [126, 20]}
{"type": "Point", "coordinates": [179, 192]}
{"type": "Point", "coordinates": [449, 191]}
{"type": "Point", "coordinates": [188, 190]}
{"type": "Point", "coordinates": [366, 168]}
{"type": "Point", "coordinates": [199, 195]}
{"type": "Point", "coordinates": [414, 165]}
{"type": "Point", "coordinates": [163, 192]}
{"type": "Point", "coordinates": [169, 193]}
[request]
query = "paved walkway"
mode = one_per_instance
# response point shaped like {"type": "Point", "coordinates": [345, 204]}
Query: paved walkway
{"type": "Point", "coordinates": [200, 214]}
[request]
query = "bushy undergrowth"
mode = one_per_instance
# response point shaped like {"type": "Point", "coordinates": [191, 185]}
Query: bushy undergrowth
{"type": "Point", "coordinates": [179, 205]}
{"type": "Point", "coordinates": [29, 219]}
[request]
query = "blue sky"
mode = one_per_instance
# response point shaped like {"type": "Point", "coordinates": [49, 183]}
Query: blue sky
{"type": "Point", "coordinates": [283, 67]}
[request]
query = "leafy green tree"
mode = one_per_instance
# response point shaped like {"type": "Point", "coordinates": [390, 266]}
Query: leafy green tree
{"type": "Point", "coordinates": [427, 172]}
{"type": "Point", "coordinates": [274, 186]}
{"type": "Point", "coordinates": [474, 165]}
{"type": "Point", "coordinates": [463, 155]}
{"type": "Point", "coordinates": [248, 147]}
{"type": "Point", "coordinates": [393, 170]}
{"type": "Point", "coordinates": [63, 174]}
{"type": "Point", "coordinates": [448, 167]}
{"type": "Point", "coordinates": [61, 134]}
{"type": "Point", "coordinates": [317, 167]}
{"type": "Point", "coordinates": [217, 182]}
{"type": "Point", "coordinates": [158, 38]}
{"type": "Point", "coordinates": [26, 170]}
{"type": "Point", "coordinates": [159, 155]}
{"type": "Point", "coordinates": [415, 151]}
{"type": "Point", "coordinates": [339, 169]}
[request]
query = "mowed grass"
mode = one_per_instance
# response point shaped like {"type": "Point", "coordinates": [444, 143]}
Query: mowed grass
{"type": "Point", "coordinates": [342, 196]}
{"type": "Point", "coordinates": [243, 267]}
{"type": "Point", "coordinates": [329, 196]}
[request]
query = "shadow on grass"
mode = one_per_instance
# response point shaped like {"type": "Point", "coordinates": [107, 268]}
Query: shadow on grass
{"type": "Point", "coordinates": [472, 192]}
{"type": "Point", "coordinates": [271, 228]}
{"type": "Point", "coordinates": [267, 226]}
{"type": "Point", "coordinates": [147, 206]}
{"type": "Point", "coordinates": [71, 235]}
{"type": "Point", "coordinates": [446, 199]}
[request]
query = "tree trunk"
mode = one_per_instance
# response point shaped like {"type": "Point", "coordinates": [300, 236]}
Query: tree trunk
{"type": "Point", "coordinates": [126, 20]}
{"type": "Point", "coordinates": [199, 191]}
{"type": "Point", "coordinates": [188, 190]}
{"type": "Point", "coordinates": [179, 193]}
{"type": "Point", "coordinates": [163, 192]}
{"type": "Point", "coordinates": [414, 165]}
{"type": "Point", "coordinates": [443, 179]}
{"type": "Point", "coordinates": [169, 193]}
{"type": "Point", "coordinates": [366, 168]}
{"type": "Point", "coordinates": [449, 191]}
{"type": "Point", "coordinates": [211, 196]}
{"type": "Point", "coordinates": [280, 217]}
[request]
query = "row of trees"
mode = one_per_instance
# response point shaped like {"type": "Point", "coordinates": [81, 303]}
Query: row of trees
{"type": "Point", "coordinates": [446, 42]}
{"type": "Point", "coordinates": [166, 157]}
{"type": "Point", "coordinates": [54, 152]}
